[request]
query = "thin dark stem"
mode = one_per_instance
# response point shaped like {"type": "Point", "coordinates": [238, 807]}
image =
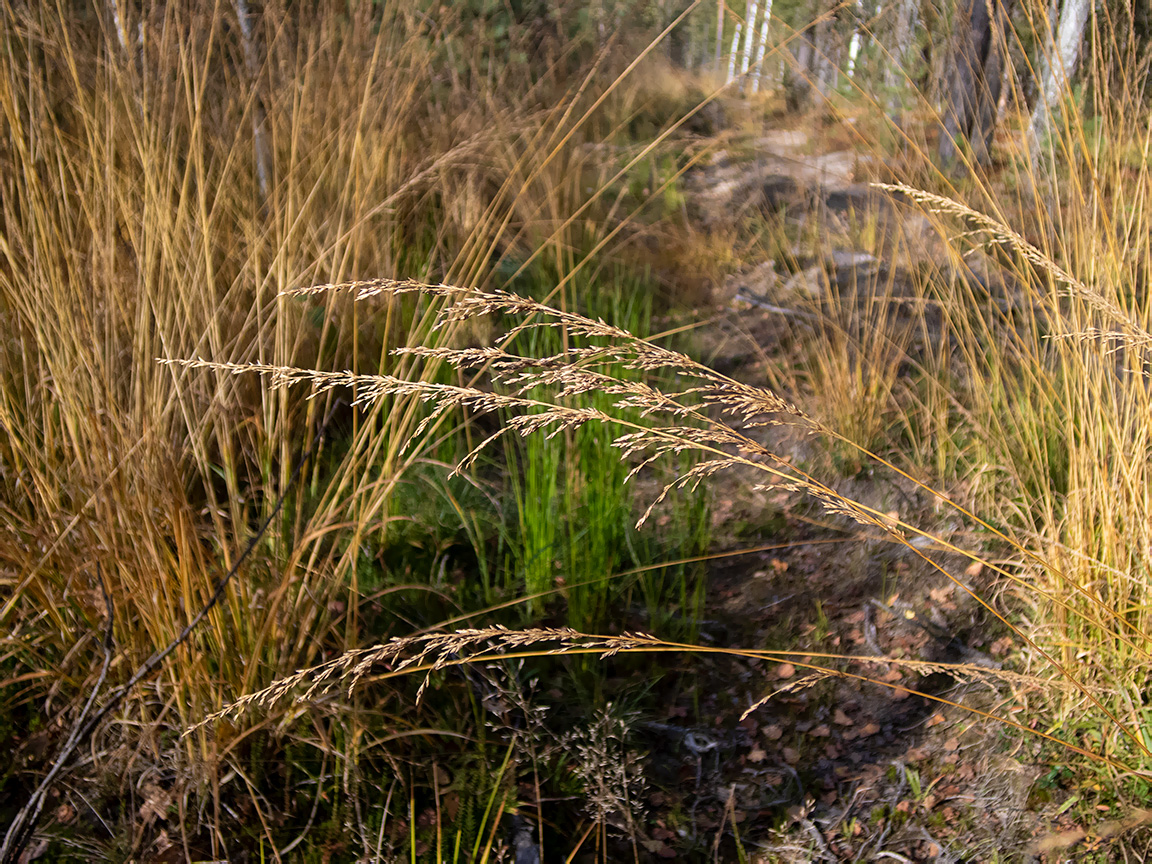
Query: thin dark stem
{"type": "Point", "coordinates": [20, 831]}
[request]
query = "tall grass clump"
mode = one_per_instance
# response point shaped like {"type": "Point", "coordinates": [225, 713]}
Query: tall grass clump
{"type": "Point", "coordinates": [1049, 320]}
{"type": "Point", "coordinates": [574, 509]}
{"type": "Point", "coordinates": [161, 193]}
{"type": "Point", "coordinates": [1017, 375]}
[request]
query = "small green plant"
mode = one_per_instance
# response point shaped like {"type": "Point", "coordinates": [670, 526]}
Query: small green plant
{"type": "Point", "coordinates": [574, 507]}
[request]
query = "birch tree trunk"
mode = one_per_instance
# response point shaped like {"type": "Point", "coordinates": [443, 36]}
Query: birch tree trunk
{"type": "Point", "coordinates": [120, 25]}
{"type": "Point", "coordinates": [856, 41]}
{"type": "Point", "coordinates": [758, 69]}
{"type": "Point", "coordinates": [749, 37]}
{"type": "Point", "coordinates": [1060, 65]}
{"type": "Point", "coordinates": [735, 49]}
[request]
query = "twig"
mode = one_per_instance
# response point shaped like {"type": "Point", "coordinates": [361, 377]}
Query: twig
{"type": "Point", "coordinates": [20, 831]}
{"type": "Point", "coordinates": [25, 822]}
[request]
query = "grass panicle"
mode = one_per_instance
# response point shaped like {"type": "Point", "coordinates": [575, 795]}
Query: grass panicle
{"type": "Point", "coordinates": [694, 422]}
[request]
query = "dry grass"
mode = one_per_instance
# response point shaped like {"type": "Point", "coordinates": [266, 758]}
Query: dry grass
{"type": "Point", "coordinates": [713, 415]}
{"type": "Point", "coordinates": [134, 228]}
{"type": "Point", "coordinates": [1020, 378]}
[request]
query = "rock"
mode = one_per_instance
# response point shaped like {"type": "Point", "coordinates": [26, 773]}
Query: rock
{"type": "Point", "coordinates": [810, 282]}
{"type": "Point", "coordinates": [855, 197]}
{"type": "Point", "coordinates": [780, 191]}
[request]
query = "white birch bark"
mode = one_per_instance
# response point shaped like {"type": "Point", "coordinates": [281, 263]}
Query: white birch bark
{"type": "Point", "coordinates": [853, 53]}
{"type": "Point", "coordinates": [734, 51]}
{"type": "Point", "coordinates": [1060, 66]}
{"type": "Point", "coordinates": [749, 37]}
{"type": "Point", "coordinates": [761, 47]}
{"type": "Point", "coordinates": [858, 36]}
{"type": "Point", "coordinates": [118, 23]}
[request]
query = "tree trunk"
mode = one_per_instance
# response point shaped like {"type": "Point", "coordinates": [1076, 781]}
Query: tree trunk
{"type": "Point", "coordinates": [749, 37]}
{"type": "Point", "coordinates": [1060, 65]}
{"type": "Point", "coordinates": [977, 75]}
{"type": "Point", "coordinates": [797, 80]}
{"type": "Point", "coordinates": [758, 69]}
{"type": "Point", "coordinates": [896, 69]}
{"type": "Point", "coordinates": [826, 53]}
{"type": "Point", "coordinates": [735, 49]}
{"type": "Point", "coordinates": [857, 40]}
{"type": "Point", "coordinates": [259, 132]}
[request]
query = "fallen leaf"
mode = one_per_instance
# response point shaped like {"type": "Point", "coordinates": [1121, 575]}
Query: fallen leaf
{"type": "Point", "coordinates": [156, 803]}
{"type": "Point", "coordinates": [757, 755]}
{"type": "Point", "coordinates": [1057, 842]}
{"type": "Point", "coordinates": [935, 720]}
{"type": "Point", "coordinates": [791, 755]}
{"type": "Point", "coordinates": [869, 729]}
{"type": "Point", "coordinates": [785, 670]}
{"type": "Point", "coordinates": [952, 745]}
{"type": "Point", "coordinates": [773, 732]}
{"type": "Point", "coordinates": [974, 569]}
{"type": "Point", "coordinates": [841, 719]}
{"type": "Point", "coordinates": [939, 595]}
{"type": "Point", "coordinates": [821, 731]}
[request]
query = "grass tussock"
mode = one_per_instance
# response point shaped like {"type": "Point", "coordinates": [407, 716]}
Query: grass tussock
{"type": "Point", "coordinates": [161, 195]}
